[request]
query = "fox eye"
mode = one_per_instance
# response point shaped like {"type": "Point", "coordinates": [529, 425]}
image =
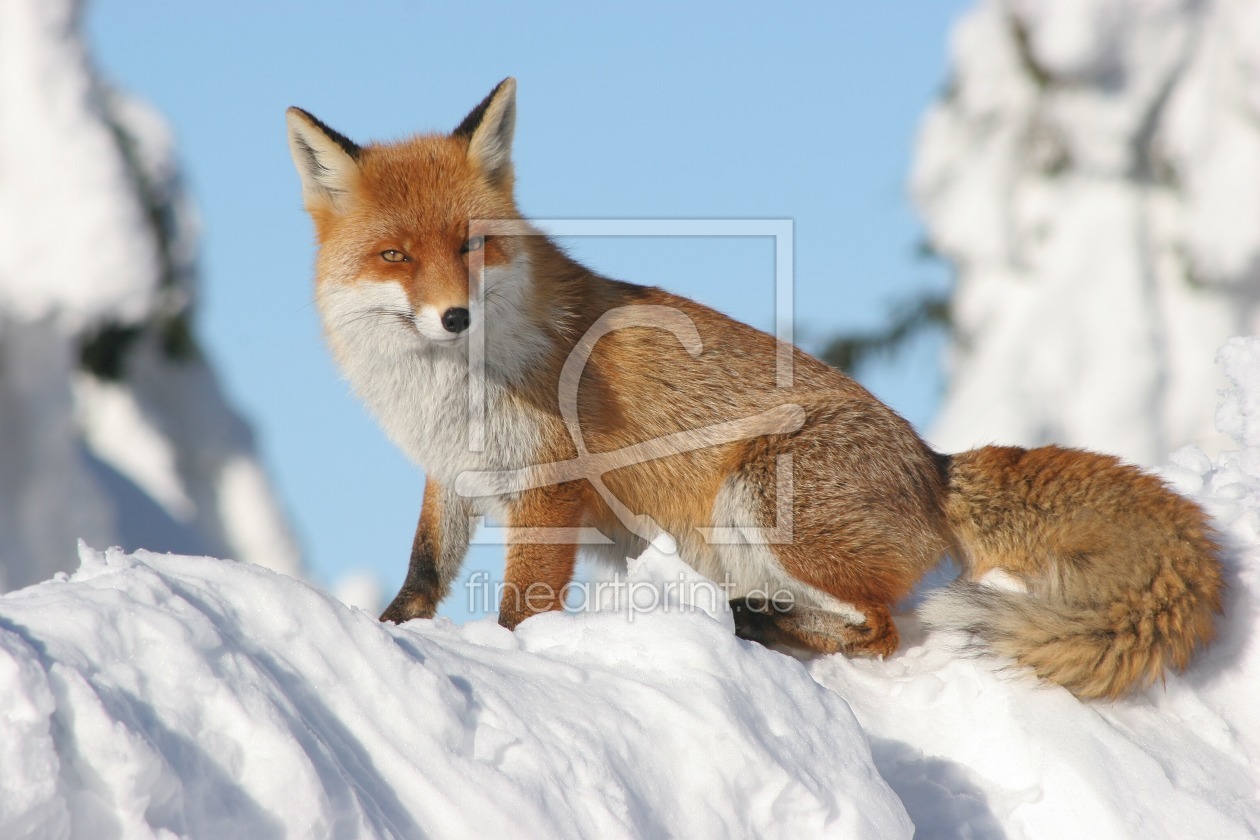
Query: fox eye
{"type": "Point", "coordinates": [474, 244]}
{"type": "Point", "coordinates": [394, 256]}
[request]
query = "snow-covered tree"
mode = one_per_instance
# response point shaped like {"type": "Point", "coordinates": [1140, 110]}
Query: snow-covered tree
{"type": "Point", "coordinates": [1092, 171]}
{"type": "Point", "coordinates": [113, 428]}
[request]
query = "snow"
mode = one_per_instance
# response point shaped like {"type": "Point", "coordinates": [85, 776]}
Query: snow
{"type": "Point", "coordinates": [1093, 175]}
{"type": "Point", "coordinates": [210, 699]}
{"type": "Point", "coordinates": [152, 695]}
{"type": "Point", "coordinates": [97, 237]}
{"type": "Point", "coordinates": [47, 87]}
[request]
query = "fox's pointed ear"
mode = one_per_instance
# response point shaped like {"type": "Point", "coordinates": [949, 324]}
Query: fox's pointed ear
{"type": "Point", "coordinates": [326, 160]}
{"type": "Point", "coordinates": [489, 128]}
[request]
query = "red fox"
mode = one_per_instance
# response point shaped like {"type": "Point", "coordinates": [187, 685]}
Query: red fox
{"type": "Point", "coordinates": [1119, 577]}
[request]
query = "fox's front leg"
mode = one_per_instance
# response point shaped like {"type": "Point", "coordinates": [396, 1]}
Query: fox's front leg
{"type": "Point", "coordinates": [539, 567]}
{"type": "Point", "coordinates": [437, 553]}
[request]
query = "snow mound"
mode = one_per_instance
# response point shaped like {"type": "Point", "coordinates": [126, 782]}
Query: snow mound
{"type": "Point", "coordinates": [149, 694]}
{"type": "Point", "coordinates": [157, 695]}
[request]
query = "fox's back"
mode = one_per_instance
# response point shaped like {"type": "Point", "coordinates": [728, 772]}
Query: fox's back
{"type": "Point", "coordinates": [648, 386]}
{"type": "Point", "coordinates": [653, 385]}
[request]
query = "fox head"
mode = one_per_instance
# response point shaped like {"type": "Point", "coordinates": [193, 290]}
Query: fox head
{"type": "Point", "coordinates": [397, 226]}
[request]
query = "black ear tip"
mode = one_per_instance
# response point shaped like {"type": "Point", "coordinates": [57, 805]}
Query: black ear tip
{"type": "Point", "coordinates": [298, 117]}
{"type": "Point", "coordinates": [347, 145]}
{"type": "Point", "coordinates": [476, 115]}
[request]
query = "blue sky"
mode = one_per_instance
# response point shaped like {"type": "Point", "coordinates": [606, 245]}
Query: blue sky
{"type": "Point", "coordinates": [805, 112]}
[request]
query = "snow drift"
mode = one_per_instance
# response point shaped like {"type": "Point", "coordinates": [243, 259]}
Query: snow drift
{"type": "Point", "coordinates": [155, 696]}
{"type": "Point", "coordinates": [210, 699]}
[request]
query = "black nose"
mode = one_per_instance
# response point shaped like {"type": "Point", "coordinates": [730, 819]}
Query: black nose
{"type": "Point", "coordinates": [455, 320]}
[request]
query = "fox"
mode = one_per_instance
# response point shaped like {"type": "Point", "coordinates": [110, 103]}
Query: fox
{"type": "Point", "coordinates": [456, 321]}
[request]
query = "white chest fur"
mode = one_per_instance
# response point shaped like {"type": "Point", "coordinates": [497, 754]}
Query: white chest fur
{"type": "Point", "coordinates": [418, 389]}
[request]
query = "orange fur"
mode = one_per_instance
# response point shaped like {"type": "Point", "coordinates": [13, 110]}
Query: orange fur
{"type": "Point", "coordinates": [1123, 573]}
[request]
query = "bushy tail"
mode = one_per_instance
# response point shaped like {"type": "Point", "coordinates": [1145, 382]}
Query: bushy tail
{"type": "Point", "coordinates": [1123, 576]}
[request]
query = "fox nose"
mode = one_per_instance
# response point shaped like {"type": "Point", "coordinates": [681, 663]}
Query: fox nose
{"type": "Point", "coordinates": [455, 320]}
